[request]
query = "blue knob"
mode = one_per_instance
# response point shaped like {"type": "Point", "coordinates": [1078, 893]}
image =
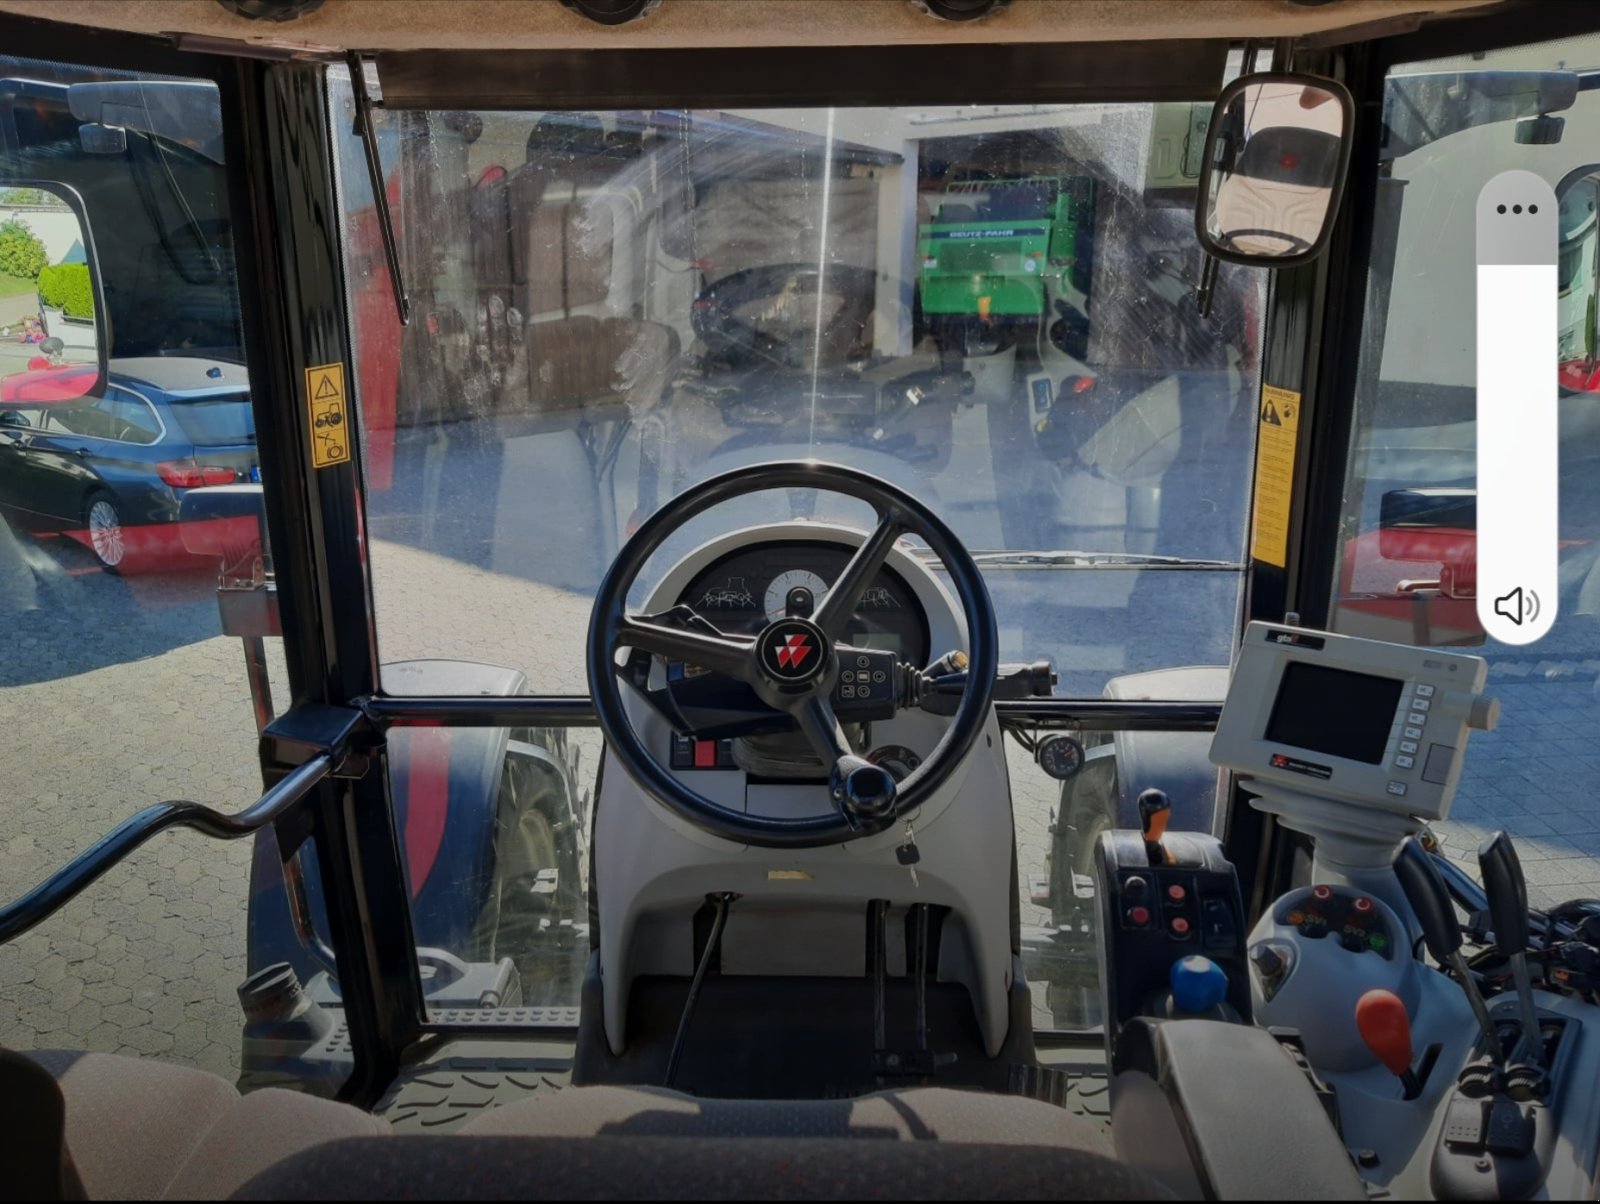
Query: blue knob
{"type": "Point", "coordinates": [1198, 984]}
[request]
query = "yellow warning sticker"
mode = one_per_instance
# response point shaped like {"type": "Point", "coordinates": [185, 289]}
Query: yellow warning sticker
{"type": "Point", "coordinates": [1276, 434]}
{"type": "Point", "coordinates": [330, 419]}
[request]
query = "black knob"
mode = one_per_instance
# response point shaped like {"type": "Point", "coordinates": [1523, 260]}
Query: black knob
{"type": "Point", "coordinates": [1508, 894]}
{"type": "Point", "coordinates": [1134, 886]}
{"type": "Point", "coordinates": [864, 792]}
{"type": "Point", "coordinates": [1429, 899]}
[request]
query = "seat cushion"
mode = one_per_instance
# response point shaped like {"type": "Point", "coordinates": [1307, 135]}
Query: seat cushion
{"type": "Point", "coordinates": [462, 1167]}
{"type": "Point", "coordinates": [144, 1130]}
{"type": "Point", "coordinates": [919, 1114]}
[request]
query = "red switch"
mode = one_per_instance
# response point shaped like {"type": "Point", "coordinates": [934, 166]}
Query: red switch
{"type": "Point", "coordinates": [1176, 893]}
{"type": "Point", "coordinates": [705, 754]}
{"type": "Point", "coordinates": [1138, 916]}
{"type": "Point", "coordinates": [1179, 926]}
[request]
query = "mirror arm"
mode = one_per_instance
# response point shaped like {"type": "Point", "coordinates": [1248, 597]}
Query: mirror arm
{"type": "Point", "coordinates": [380, 195]}
{"type": "Point", "coordinates": [1208, 283]}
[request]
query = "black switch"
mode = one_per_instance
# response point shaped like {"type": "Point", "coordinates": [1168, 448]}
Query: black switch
{"type": "Point", "coordinates": [682, 756]}
{"type": "Point", "coordinates": [1510, 1129]}
{"type": "Point", "coordinates": [1463, 1124]}
{"type": "Point", "coordinates": [1217, 929]}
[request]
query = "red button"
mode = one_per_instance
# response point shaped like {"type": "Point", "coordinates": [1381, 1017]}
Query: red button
{"type": "Point", "coordinates": [1176, 893]}
{"type": "Point", "coordinates": [1139, 916]}
{"type": "Point", "coordinates": [705, 754]}
{"type": "Point", "coordinates": [1322, 892]}
{"type": "Point", "coordinates": [1180, 926]}
{"type": "Point", "coordinates": [1363, 904]}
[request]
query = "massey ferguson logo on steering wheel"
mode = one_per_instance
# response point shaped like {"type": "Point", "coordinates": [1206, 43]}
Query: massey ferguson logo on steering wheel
{"type": "Point", "coordinates": [792, 650]}
{"type": "Point", "coordinates": [795, 650]}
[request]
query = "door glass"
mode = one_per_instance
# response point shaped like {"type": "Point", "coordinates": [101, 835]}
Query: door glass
{"type": "Point", "coordinates": [1408, 554]}
{"type": "Point", "coordinates": [125, 681]}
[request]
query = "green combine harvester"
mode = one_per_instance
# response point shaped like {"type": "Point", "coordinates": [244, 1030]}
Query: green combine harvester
{"type": "Point", "coordinates": [998, 250]}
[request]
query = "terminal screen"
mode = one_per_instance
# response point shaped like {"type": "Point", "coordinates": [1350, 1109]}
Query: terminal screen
{"type": "Point", "coordinates": [1334, 712]}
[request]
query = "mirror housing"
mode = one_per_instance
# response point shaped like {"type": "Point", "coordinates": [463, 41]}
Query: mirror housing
{"type": "Point", "coordinates": [61, 351]}
{"type": "Point", "coordinates": [1276, 155]}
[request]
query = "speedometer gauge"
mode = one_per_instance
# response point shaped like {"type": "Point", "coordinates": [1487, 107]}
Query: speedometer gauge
{"type": "Point", "coordinates": [781, 586]}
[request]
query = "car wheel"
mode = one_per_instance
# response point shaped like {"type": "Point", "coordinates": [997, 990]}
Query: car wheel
{"type": "Point", "coordinates": [108, 538]}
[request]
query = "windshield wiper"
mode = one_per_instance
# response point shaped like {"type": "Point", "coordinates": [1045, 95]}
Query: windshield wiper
{"type": "Point", "coordinates": [1069, 559]}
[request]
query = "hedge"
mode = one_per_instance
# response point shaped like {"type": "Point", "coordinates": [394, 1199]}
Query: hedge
{"type": "Point", "coordinates": [21, 252]}
{"type": "Point", "coordinates": [66, 287]}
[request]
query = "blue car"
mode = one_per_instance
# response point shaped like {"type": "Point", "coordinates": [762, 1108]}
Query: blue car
{"type": "Point", "coordinates": [111, 471]}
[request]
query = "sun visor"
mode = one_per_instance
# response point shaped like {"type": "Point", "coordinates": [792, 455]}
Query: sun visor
{"type": "Point", "coordinates": [1044, 73]}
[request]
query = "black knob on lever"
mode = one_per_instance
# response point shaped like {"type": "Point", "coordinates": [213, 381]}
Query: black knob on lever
{"type": "Point", "coordinates": [1441, 931]}
{"type": "Point", "coordinates": [1430, 900]}
{"type": "Point", "coordinates": [1155, 810]}
{"type": "Point", "coordinates": [864, 792]}
{"type": "Point", "coordinates": [1507, 888]}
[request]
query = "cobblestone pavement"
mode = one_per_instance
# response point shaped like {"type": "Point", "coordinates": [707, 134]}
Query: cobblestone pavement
{"type": "Point", "coordinates": [119, 693]}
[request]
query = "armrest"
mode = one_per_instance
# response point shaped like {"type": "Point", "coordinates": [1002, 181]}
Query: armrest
{"type": "Point", "coordinates": [1220, 1111]}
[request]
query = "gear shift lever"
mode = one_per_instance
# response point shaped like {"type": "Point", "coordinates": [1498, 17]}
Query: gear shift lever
{"type": "Point", "coordinates": [1441, 931]}
{"type": "Point", "coordinates": [1386, 1028]}
{"type": "Point", "coordinates": [1507, 889]}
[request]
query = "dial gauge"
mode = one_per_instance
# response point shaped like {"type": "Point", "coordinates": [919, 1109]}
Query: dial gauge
{"type": "Point", "coordinates": [779, 588]}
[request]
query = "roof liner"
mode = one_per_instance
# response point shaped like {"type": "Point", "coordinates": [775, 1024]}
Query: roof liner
{"type": "Point", "coordinates": [548, 25]}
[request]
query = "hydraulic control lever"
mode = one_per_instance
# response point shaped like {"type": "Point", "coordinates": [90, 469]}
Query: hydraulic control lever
{"type": "Point", "coordinates": [1441, 931]}
{"type": "Point", "coordinates": [1507, 889]}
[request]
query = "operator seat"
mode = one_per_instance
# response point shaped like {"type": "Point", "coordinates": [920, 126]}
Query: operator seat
{"type": "Point", "coordinates": [139, 1129]}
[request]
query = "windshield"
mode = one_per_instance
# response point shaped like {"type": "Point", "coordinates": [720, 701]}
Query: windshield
{"type": "Point", "coordinates": [213, 420]}
{"type": "Point", "coordinates": [991, 307]}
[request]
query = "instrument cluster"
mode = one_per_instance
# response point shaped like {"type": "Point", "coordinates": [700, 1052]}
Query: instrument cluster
{"type": "Point", "coordinates": [744, 591]}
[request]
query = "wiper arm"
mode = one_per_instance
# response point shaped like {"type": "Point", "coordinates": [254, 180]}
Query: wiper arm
{"type": "Point", "coordinates": [1069, 559]}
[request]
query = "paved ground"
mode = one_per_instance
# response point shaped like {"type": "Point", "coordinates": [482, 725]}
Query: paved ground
{"type": "Point", "coordinates": [118, 693]}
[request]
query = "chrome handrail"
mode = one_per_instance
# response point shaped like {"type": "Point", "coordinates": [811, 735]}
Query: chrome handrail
{"type": "Point", "coordinates": [44, 900]}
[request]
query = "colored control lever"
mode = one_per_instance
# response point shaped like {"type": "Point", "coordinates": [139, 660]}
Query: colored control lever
{"type": "Point", "coordinates": [1155, 809]}
{"type": "Point", "coordinates": [1507, 889]}
{"type": "Point", "coordinates": [1386, 1028]}
{"type": "Point", "coordinates": [1441, 931]}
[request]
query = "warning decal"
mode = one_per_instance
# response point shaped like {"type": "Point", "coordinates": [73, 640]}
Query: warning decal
{"type": "Point", "coordinates": [330, 424]}
{"type": "Point", "coordinates": [1275, 442]}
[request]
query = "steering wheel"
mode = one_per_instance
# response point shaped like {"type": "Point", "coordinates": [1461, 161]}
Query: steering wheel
{"type": "Point", "coordinates": [779, 665]}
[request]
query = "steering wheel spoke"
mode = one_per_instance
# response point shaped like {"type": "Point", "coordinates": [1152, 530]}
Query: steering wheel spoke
{"type": "Point", "coordinates": [864, 793]}
{"type": "Point", "coordinates": [834, 612]}
{"type": "Point", "coordinates": [731, 655]}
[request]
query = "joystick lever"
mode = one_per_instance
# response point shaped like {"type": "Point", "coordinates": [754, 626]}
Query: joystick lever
{"type": "Point", "coordinates": [1386, 1028]}
{"type": "Point", "coordinates": [1507, 889]}
{"type": "Point", "coordinates": [1441, 931]}
{"type": "Point", "coordinates": [1155, 809]}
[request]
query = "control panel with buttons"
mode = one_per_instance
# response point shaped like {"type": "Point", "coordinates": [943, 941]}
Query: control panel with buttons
{"type": "Point", "coordinates": [1348, 917]}
{"type": "Point", "coordinates": [1163, 900]}
{"type": "Point", "coordinates": [1332, 716]}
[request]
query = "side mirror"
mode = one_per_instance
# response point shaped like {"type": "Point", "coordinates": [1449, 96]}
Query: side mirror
{"type": "Point", "coordinates": [56, 350]}
{"type": "Point", "coordinates": [1578, 281]}
{"type": "Point", "coordinates": [1276, 155]}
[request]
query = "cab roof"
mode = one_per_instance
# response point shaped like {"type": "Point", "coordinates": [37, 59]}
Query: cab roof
{"type": "Point", "coordinates": [341, 25]}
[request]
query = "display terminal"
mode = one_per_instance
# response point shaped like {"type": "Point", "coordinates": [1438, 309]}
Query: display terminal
{"type": "Point", "coordinates": [1334, 716]}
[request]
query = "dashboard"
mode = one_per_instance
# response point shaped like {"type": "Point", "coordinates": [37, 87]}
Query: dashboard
{"type": "Point", "coordinates": [742, 591]}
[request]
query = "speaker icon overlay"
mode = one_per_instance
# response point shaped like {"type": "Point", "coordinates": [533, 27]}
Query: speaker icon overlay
{"type": "Point", "coordinates": [1519, 606]}
{"type": "Point", "coordinates": [1517, 435]}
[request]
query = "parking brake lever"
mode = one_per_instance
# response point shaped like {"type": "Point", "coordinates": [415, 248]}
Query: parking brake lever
{"type": "Point", "coordinates": [1441, 931]}
{"type": "Point", "coordinates": [1507, 889]}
